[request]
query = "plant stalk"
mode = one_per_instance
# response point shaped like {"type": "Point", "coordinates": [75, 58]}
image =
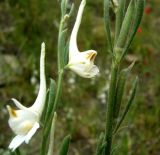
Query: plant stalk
{"type": "Point", "coordinates": [58, 93]}
{"type": "Point", "coordinates": [110, 108]}
{"type": "Point", "coordinates": [59, 54]}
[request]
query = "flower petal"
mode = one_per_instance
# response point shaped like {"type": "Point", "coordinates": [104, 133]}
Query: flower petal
{"type": "Point", "coordinates": [18, 104]}
{"type": "Point", "coordinates": [16, 142]}
{"type": "Point", "coordinates": [31, 132]}
{"type": "Point", "coordinates": [12, 112]}
{"type": "Point", "coordinates": [94, 71]}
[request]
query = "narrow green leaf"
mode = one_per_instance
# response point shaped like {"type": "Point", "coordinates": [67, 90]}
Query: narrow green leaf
{"type": "Point", "coordinates": [65, 145]}
{"type": "Point", "coordinates": [119, 17]}
{"type": "Point", "coordinates": [12, 153]}
{"type": "Point", "coordinates": [99, 144]}
{"type": "Point", "coordinates": [63, 7]}
{"type": "Point", "coordinates": [42, 120]}
{"type": "Point", "coordinates": [120, 88]}
{"type": "Point", "coordinates": [137, 19]}
{"type": "Point", "coordinates": [107, 24]}
{"type": "Point", "coordinates": [115, 150]}
{"type": "Point", "coordinates": [130, 102]}
{"type": "Point", "coordinates": [51, 97]}
{"type": "Point", "coordinates": [119, 92]}
{"type": "Point", "coordinates": [66, 53]}
{"type": "Point", "coordinates": [71, 10]}
{"type": "Point", "coordinates": [61, 48]}
{"type": "Point", "coordinates": [17, 152]}
{"type": "Point", "coordinates": [66, 3]}
{"type": "Point", "coordinates": [52, 131]}
{"type": "Point", "coordinates": [48, 111]}
{"type": "Point", "coordinates": [104, 145]}
{"type": "Point", "coordinates": [126, 25]}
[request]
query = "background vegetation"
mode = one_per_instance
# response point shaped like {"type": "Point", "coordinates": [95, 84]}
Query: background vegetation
{"type": "Point", "coordinates": [24, 24]}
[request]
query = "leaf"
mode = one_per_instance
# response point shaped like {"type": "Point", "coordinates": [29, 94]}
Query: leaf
{"type": "Point", "coordinates": [126, 25]}
{"type": "Point", "coordinates": [65, 145]}
{"type": "Point", "coordinates": [16, 152]}
{"type": "Point", "coordinates": [107, 24]}
{"type": "Point", "coordinates": [52, 131]}
{"type": "Point", "coordinates": [47, 115]}
{"type": "Point", "coordinates": [61, 48]}
{"type": "Point", "coordinates": [71, 10]}
{"type": "Point", "coordinates": [137, 19]}
{"type": "Point", "coordinates": [130, 102]}
{"type": "Point", "coordinates": [114, 150]}
{"type": "Point", "coordinates": [104, 145]}
{"type": "Point", "coordinates": [120, 88]}
{"type": "Point", "coordinates": [44, 110]}
{"type": "Point", "coordinates": [63, 7]}
{"type": "Point", "coordinates": [99, 144]}
{"type": "Point", "coordinates": [51, 97]}
{"type": "Point", "coordinates": [119, 17]}
{"type": "Point", "coordinates": [66, 53]}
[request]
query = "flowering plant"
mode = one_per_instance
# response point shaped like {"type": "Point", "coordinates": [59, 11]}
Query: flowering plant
{"type": "Point", "coordinates": [25, 121]}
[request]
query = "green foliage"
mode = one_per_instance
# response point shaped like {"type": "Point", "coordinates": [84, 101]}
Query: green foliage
{"type": "Point", "coordinates": [125, 25]}
{"type": "Point", "coordinates": [137, 19]}
{"type": "Point", "coordinates": [107, 24]}
{"type": "Point", "coordinates": [129, 103]}
{"type": "Point", "coordinates": [100, 146]}
{"type": "Point", "coordinates": [51, 98]}
{"type": "Point", "coordinates": [35, 21]}
{"type": "Point", "coordinates": [119, 17]}
{"type": "Point", "coordinates": [120, 88]}
{"type": "Point", "coordinates": [65, 145]}
{"type": "Point", "coordinates": [116, 92]}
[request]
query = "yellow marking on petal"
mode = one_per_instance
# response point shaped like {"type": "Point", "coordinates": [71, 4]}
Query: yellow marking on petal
{"type": "Point", "coordinates": [11, 111]}
{"type": "Point", "coordinates": [27, 126]}
{"type": "Point", "coordinates": [82, 62]}
{"type": "Point", "coordinates": [91, 56]}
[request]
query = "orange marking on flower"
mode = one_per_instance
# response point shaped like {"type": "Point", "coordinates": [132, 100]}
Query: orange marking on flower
{"type": "Point", "coordinates": [91, 56]}
{"type": "Point", "coordinates": [12, 112]}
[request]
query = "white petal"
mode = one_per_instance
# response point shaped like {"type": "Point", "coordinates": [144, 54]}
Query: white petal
{"type": "Point", "coordinates": [16, 142]}
{"type": "Point", "coordinates": [31, 132]}
{"type": "Point", "coordinates": [94, 71]}
{"type": "Point", "coordinates": [18, 104]}
{"type": "Point", "coordinates": [85, 70]}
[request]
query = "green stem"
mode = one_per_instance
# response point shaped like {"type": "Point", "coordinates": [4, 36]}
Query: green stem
{"type": "Point", "coordinates": [59, 86]}
{"type": "Point", "coordinates": [59, 46]}
{"type": "Point", "coordinates": [60, 70]}
{"type": "Point", "coordinates": [47, 129]}
{"type": "Point", "coordinates": [110, 108]}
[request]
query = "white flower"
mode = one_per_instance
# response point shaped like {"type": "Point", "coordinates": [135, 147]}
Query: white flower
{"type": "Point", "coordinates": [81, 63]}
{"type": "Point", "coordinates": [25, 121]}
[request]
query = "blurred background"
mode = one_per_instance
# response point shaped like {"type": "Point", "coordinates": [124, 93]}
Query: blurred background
{"type": "Point", "coordinates": [25, 24]}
